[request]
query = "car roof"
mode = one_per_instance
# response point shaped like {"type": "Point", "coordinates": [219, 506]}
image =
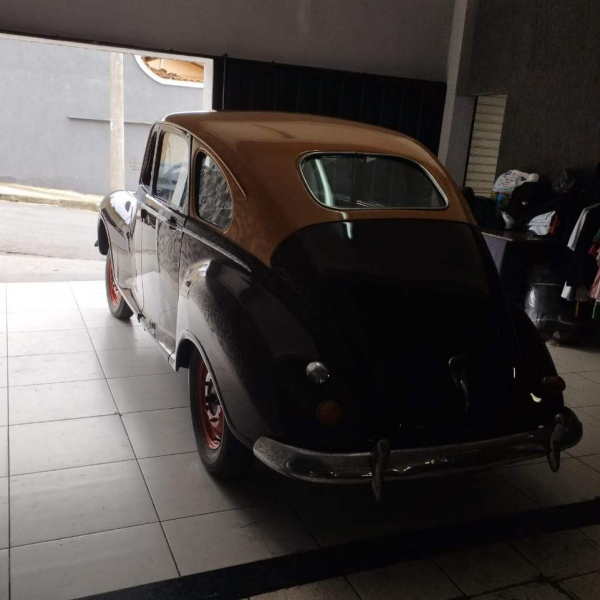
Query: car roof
{"type": "Point", "coordinates": [262, 150]}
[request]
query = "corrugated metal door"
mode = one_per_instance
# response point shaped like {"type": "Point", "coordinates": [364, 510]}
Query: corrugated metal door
{"type": "Point", "coordinates": [485, 143]}
{"type": "Point", "coordinates": [410, 106]}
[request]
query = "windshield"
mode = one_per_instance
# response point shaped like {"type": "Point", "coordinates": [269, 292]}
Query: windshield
{"type": "Point", "coordinates": [369, 181]}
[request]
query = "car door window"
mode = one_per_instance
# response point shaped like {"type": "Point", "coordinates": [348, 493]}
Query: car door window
{"type": "Point", "coordinates": [172, 178]}
{"type": "Point", "coordinates": [213, 196]}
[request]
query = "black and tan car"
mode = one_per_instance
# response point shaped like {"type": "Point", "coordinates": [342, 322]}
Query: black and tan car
{"type": "Point", "coordinates": [336, 305]}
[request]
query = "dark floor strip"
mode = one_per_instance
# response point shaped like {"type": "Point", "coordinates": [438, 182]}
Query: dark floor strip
{"type": "Point", "coordinates": [264, 576]}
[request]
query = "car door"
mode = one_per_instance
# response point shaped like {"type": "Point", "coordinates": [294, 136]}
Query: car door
{"type": "Point", "coordinates": [143, 197]}
{"type": "Point", "coordinates": [163, 216]}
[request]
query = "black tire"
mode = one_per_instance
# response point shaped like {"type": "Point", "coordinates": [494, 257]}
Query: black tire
{"type": "Point", "coordinates": [231, 459]}
{"type": "Point", "coordinates": [116, 303]}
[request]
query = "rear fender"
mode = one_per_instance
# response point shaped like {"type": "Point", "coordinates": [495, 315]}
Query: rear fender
{"type": "Point", "coordinates": [246, 332]}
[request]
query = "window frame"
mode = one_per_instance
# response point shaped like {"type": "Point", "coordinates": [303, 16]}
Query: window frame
{"type": "Point", "coordinates": [418, 165]}
{"type": "Point", "coordinates": [162, 131]}
{"type": "Point", "coordinates": [149, 161]}
{"type": "Point", "coordinates": [199, 151]}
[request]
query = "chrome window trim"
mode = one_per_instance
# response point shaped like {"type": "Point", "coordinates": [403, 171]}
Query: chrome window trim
{"type": "Point", "coordinates": [437, 186]}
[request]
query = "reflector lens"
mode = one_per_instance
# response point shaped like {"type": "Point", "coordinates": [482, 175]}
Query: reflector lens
{"type": "Point", "coordinates": [329, 413]}
{"type": "Point", "coordinates": [553, 384]}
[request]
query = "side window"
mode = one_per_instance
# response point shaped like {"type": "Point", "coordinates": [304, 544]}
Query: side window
{"type": "Point", "coordinates": [146, 174]}
{"type": "Point", "coordinates": [172, 178]}
{"type": "Point", "coordinates": [213, 196]}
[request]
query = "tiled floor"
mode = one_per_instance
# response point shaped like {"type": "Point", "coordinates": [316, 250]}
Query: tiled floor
{"type": "Point", "coordinates": [101, 487]}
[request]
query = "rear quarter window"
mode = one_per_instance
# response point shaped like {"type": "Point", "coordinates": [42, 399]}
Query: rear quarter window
{"type": "Point", "coordinates": [370, 181]}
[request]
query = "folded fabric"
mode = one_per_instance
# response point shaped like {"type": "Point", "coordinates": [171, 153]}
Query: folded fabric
{"type": "Point", "coordinates": [541, 224]}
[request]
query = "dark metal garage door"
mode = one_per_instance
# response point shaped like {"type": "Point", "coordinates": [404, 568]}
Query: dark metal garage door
{"type": "Point", "coordinates": [410, 106]}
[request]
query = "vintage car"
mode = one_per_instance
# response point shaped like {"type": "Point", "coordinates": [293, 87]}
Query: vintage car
{"type": "Point", "coordinates": [336, 305]}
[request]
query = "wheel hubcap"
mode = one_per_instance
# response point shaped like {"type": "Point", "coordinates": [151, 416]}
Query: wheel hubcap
{"type": "Point", "coordinates": [209, 408]}
{"type": "Point", "coordinates": [113, 290]}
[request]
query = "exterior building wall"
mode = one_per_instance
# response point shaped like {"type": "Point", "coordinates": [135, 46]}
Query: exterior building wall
{"type": "Point", "coordinates": [54, 115]}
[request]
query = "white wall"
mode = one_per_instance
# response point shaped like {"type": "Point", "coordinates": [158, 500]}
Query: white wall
{"type": "Point", "coordinates": [403, 38]}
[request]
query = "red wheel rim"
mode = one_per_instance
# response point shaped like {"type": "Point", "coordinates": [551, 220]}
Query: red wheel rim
{"type": "Point", "coordinates": [113, 290]}
{"type": "Point", "coordinates": [209, 408]}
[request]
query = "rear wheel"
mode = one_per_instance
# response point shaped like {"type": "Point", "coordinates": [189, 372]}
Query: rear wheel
{"type": "Point", "coordinates": [222, 454]}
{"type": "Point", "coordinates": [116, 303]}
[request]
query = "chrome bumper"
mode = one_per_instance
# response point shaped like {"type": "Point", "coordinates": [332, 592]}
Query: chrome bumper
{"type": "Point", "coordinates": [365, 467]}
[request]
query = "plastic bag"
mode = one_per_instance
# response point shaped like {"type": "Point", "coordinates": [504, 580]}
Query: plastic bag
{"type": "Point", "coordinates": [507, 182]}
{"type": "Point", "coordinates": [545, 309]}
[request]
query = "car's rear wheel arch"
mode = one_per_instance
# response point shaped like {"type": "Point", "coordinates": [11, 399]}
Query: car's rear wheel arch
{"type": "Point", "coordinates": [185, 354]}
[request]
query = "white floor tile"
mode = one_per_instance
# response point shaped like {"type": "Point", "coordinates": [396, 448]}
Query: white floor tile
{"type": "Point", "coordinates": [576, 360]}
{"type": "Point", "coordinates": [561, 554]}
{"type": "Point", "coordinates": [417, 580]}
{"type": "Point", "coordinates": [4, 575]}
{"type": "Point", "coordinates": [44, 321]}
{"type": "Point", "coordinates": [4, 512]}
{"type": "Point", "coordinates": [160, 432]}
{"type": "Point", "coordinates": [49, 342]}
{"type": "Point", "coordinates": [416, 504]}
{"type": "Point", "coordinates": [3, 341]}
{"type": "Point", "coordinates": [121, 338]}
{"type": "Point", "coordinates": [4, 406]}
{"type": "Point", "coordinates": [581, 391]}
{"type": "Point", "coordinates": [36, 299]}
{"type": "Point", "coordinates": [53, 368]}
{"type": "Point", "coordinates": [486, 568]}
{"type": "Point", "coordinates": [101, 318]}
{"type": "Point", "coordinates": [135, 361]}
{"type": "Point", "coordinates": [3, 451]}
{"type": "Point", "coordinates": [91, 564]}
{"type": "Point", "coordinates": [590, 443]}
{"type": "Point", "coordinates": [329, 589]}
{"type": "Point", "coordinates": [575, 482]}
{"type": "Point", "coordinates": [150, 392]}
{"type": "Point", "coordinates": [3, 372]}
{"type": "Point", "coordinates": [531, 591]}
{"type": "Point", "coordinates": [586, 587]}
{"type": "Point", "coordinates": [57, 401]}
{"type": "Point", "coordinates": [181, 487]}
{"type": "Point", "coordinates": [592, 375]}
{"type": "Point", "coordinates": [59, 504]}
{"type": "Point", "coordinates": [63, 444]}
{"type": "Point", "coordinates": [234, 537]}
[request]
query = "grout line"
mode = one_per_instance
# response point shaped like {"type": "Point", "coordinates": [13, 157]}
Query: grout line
{"type": "Point", "coordinates": [136, 458]}
{"type": "Point", "coordinates": [97, 416]}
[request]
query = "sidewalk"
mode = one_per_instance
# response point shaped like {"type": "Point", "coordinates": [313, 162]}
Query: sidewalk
{"type": "Point", "coordinates": [38, 195]}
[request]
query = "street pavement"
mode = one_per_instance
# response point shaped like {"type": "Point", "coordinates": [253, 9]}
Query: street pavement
{"type": "Point", "coordinates": [48, 243]}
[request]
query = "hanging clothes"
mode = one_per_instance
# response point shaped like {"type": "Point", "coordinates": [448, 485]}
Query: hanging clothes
{"type": "Point", "coordinates": [595, 289]}
{"type": "Point", "coordinates": [580, 267]}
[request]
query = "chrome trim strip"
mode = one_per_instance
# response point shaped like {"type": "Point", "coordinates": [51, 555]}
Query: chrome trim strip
{"type": "Point", "coordinates": [214, 246]}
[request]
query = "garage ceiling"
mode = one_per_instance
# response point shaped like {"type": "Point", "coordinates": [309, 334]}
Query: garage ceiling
{"type": "Point", "coordinates": [384, 37]}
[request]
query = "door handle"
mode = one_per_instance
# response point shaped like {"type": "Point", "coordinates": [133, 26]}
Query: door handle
{"type": "Point", "coordinates": [143, 215]}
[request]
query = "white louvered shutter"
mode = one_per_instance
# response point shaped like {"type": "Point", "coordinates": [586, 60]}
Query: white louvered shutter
{"type": "Point", "coordinates": [485, 144]}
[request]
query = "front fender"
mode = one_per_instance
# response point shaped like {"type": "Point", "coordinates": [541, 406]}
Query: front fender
{"type": "Point", "coordinates": [117, 216]}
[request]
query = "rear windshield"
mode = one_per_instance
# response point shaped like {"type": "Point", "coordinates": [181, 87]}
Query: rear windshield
{"type": "Point", "coordinates": [369, 181]}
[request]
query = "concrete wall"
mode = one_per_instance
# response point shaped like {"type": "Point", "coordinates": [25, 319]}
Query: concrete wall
{"type": "Point", "coordinates": [54, 115]}
{"type": "Point", "coordinates": [401, 38]}
{"type": "Point", "coordinates": [545, 56]}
